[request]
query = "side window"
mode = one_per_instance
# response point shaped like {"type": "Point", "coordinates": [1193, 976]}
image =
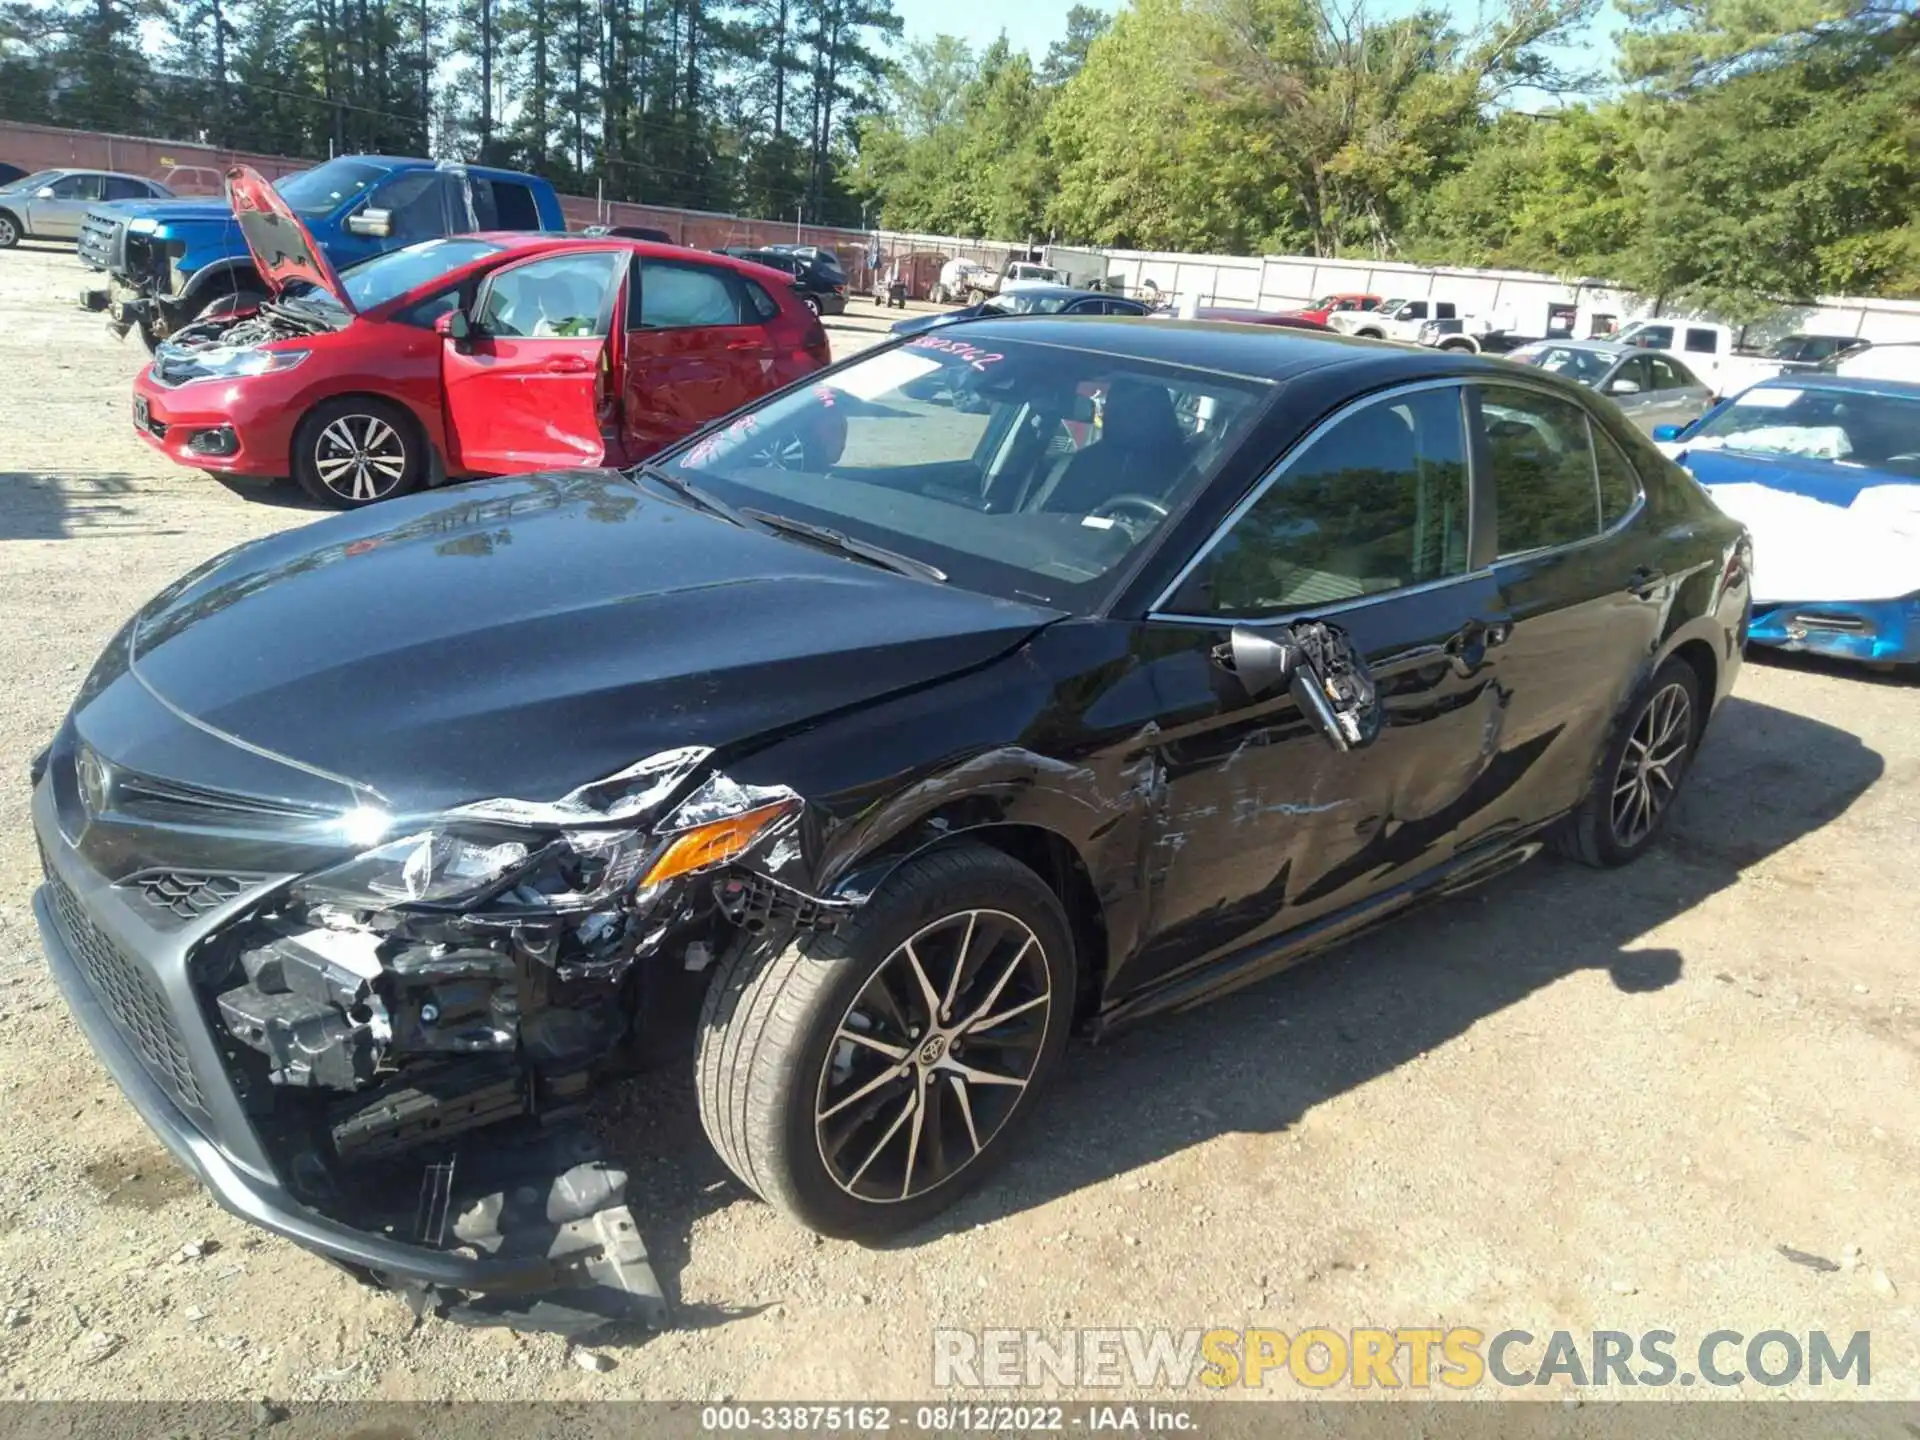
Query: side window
{"type": "Point", "coordinates": [1414, 310]}
{"type": "Point", "coordinates": [1638, 374]}
{"type": "Point", "coordinates": [1654, 337]}
{"type": "Point", "coordinates": [502, 205]}
{"type": "Point", "coordinates": [1544, 487]}
{"type": "Point", "coordinates": [1619, 485]}
{"type": "Point", "coordinates": [681, 297]}
{"type": "Point", "coordinates": [564, 297]}
{"type": "Point", "coordinates": [1443, 310]}
{"type": "Point", "coordinates": [424, 312]}
{"type": "Point", "coordinates": [1702, 342]}
{"type": "Point", "coordinates": [1667, 375]}
{"type": "Point", "coordinates": [123, 187]}
{"type": "Point", "coordinates": [424, 205]}
{"type": "Point", "coordinates": [762, 304]}
{"type": "Point", "coordinates": [77, 187]}
{"type": "Point", "coordinates": [1376, 503]}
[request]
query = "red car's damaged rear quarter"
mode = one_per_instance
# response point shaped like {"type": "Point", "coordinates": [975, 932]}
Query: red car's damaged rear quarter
{"type": "Point", "coordinates": [505, 403]}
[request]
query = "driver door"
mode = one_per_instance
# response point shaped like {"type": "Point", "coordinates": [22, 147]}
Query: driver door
{"type": "Point", "coordinates": [58, 216]}
{"type": "Point", "coordinates": [531, 387]}
{"type": "Point", "coordinates": [1265, 827]}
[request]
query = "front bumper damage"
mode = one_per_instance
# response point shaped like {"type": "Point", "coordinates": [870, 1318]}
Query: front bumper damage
{"type": "Point", "coordinates": [404, 1091]}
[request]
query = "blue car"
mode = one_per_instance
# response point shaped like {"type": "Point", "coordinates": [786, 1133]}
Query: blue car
{"type": "Point", "coordinates": [1824, 470]}
{"type": "Point", "coordinates": [1030, 300]}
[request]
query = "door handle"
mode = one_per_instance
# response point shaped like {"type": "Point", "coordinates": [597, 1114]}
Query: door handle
{"type": "Point", "coordinates": [1644, 581]}
{"type": "Point", "coordinates": [567, 365]}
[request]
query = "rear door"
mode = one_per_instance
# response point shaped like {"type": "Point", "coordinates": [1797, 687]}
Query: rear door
{"type": "Point", "coordinates": [1683, 397]}
{"type": "Point", "coordinates": [696, 347]}
{"type": "Point", "coordinates": [1631, 386]}
{"type": "Point", "coordinates": [532, 386]}
{"type": "Point", "coordinates": [1577, 565]}
{"type": "Point", "coordinates": [59, 215]}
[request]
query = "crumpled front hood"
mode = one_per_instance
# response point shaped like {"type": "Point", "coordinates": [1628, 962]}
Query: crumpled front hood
{"type": "Point", "coordinates": [523, 637]}
{"type": "Point", "coordinates": [1821, 531]}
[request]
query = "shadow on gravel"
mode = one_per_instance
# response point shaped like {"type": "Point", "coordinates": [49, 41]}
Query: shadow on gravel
{"type": "Point", "coordinates": [1764, 778]}
{"type": "Point", "coordinates": [281, 493]}
{"type": "Point", "coordinates": [1808, 663]}
{"type": "Point", "coordinates": [37, 505]}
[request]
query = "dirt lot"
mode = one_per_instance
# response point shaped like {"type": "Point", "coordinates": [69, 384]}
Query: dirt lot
{"type": "Point", "coordinates": [1570, 1101]}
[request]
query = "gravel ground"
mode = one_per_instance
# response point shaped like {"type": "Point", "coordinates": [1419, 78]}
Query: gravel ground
{"type": "Point", "coordinates": [1570, 1101]}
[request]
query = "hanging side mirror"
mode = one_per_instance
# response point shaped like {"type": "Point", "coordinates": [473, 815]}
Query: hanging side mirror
{"type": "Point", "coordinates": [371, 222]}
{"type": "Point", "coordinates": [1317, 665]}
{"type": "Point", "coordinates": [454, 327]}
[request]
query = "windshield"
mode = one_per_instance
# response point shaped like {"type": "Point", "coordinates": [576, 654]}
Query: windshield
{"type": "Point", "coordinates": [1586, 366]}
{"type": "Point", "coordinates": [325, 188]}
{"type": "Point", "coordinates": [1022, 470]}
{"type": "Point", "coordinates": [388, 277]}
{"type": "Point", "coordinates": [1025, 302]}
{"type": "Point", "coordinates": [1853, 427]}
{"type": "Point", "coordinates": [30, 182]}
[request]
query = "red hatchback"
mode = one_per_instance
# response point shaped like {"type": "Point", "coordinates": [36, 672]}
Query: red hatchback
{"type": "Point", "coordinates": [471, 355]}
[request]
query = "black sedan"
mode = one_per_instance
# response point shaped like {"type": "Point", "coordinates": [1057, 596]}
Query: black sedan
{"type": "Point", "coordinates": [1028, 299]}
{"type": "Point", "coordinates": [1029, 676]}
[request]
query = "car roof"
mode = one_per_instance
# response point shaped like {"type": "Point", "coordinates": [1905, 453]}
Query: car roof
{"type": "Point", "coordinates": [1599, 347]}
{"type": "Point", "coordinates": [1820, 380]}
{"type": "Point", "coordinates": [1040, 287]}
{"type": "Point", "coordinates": [1261, 352]}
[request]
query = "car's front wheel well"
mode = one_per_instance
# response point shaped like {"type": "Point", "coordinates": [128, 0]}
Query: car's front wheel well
{"type": "Point", "coordinates": [1052, 857]}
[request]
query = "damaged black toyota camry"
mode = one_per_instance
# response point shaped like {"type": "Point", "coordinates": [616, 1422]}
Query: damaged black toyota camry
{"type": "Point", "coordinates": [1024, 678]}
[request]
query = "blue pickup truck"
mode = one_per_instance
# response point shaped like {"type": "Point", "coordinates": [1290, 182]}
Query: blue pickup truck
{"type": "Point", "coordinates": [169, 262]}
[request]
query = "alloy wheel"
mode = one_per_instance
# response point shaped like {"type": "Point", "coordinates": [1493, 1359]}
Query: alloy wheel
{"type": "Point", "coordinates": [933, 1056]}
{"type": "Point", "coordinates": [360, 457]}
{"type": "Point", "coordinates": [1650, 768]}
{"type": "Point", "coordinates": [9, 233]}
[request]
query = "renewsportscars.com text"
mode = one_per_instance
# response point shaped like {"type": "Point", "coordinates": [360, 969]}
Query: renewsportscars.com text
{"type": "Point", "coordinates": [1416, 1358]}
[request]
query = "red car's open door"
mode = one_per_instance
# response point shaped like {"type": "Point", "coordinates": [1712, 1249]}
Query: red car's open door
{"type": "Point", "coordinates": [531, 387]}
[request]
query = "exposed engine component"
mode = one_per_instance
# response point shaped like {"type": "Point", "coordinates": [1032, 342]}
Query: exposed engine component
{"type": "Point", "coordinates": [1336, 679]}
{"type": "Point", "coordinates": [483, 968]}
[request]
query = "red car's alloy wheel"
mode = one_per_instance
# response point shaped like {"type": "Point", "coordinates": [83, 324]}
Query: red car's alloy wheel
{"type": "Point", "coordinates": [360, 458]}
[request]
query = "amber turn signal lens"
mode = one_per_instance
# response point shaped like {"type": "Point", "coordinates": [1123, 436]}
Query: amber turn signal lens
{"type": "Point", "coordinates": [715, 842]}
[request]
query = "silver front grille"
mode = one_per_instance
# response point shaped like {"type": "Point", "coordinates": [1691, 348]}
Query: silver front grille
{"type": "Point", "coordinates": [102, 242]}
{"type": "Point", "coordinates": [131, 996]}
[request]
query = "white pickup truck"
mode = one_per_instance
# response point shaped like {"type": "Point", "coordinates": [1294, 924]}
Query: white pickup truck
{"type": "Point", "coordinates": [1708, 348]}
{"type": "Point", "coordinates": [1394, 320]}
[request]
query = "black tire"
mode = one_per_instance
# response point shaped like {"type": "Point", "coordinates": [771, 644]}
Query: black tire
{"type": "Point", "coordinates": [773, 1051]}
{"type": "Point", "coordinates": [976, 297]}
{"type": "Point", "coordinates": [1595, 833]}
{"type": "Point", "coordinates": [9, 230]}
{"type": "Point", "coordinates": [1369, 334]}
{"type": "Point", "coordinates": [331, 430]}
{"type": "Point", "coordinates": [812, 302]}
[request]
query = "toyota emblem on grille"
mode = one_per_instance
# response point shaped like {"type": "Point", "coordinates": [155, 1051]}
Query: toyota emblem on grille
{"type": "Point", "coordinates": [94, 778]}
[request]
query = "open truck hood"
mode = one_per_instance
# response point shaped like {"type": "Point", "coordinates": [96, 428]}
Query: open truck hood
{"type": "Point", "coordinates": [283, 249]}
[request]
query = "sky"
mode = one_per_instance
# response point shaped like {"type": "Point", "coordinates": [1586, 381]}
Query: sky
{"type": "Point", "coordinates": [1033, 25]}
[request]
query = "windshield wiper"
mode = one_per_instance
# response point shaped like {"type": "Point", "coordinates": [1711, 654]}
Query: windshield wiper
{"type": "Point", "coordinates": [856, 549]}
{"type": "Point", "coordinates": [707, 501]}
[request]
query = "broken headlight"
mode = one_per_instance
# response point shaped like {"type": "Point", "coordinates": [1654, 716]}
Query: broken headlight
{"type": "Point", "coordinates": [540, 869]}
